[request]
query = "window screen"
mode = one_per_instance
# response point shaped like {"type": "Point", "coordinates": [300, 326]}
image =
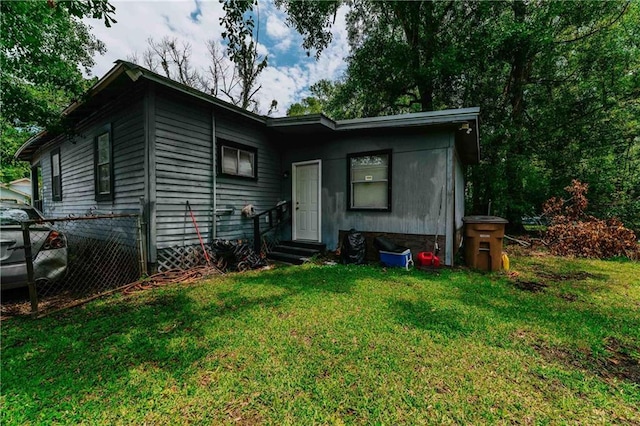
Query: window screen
{"type": "Point", "coordinates": [238, 160]}
{"type": "Point", "coordinates": [370, 180]}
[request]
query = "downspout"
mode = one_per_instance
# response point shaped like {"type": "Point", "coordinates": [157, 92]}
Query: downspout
{"type": "Point", "coordinates": [150, 173]}
{"type": "Point", "coordinates": [449, 214]}
{"type": "Point", "coordinates": [214, 191]}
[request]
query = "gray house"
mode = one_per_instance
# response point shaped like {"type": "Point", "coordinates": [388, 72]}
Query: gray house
{"type": "Point", "coordinates": [141, 138]}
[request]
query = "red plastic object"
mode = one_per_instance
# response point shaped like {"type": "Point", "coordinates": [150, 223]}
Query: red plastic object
{"type": "Point", "coordinates": [427, 258]}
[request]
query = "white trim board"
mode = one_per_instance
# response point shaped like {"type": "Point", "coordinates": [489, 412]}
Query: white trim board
{"type": "Point", "coordinates": [294, 167]}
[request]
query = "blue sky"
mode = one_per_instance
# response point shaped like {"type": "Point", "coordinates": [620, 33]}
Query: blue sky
{"type": "Point", "coordinates": [286, 79]}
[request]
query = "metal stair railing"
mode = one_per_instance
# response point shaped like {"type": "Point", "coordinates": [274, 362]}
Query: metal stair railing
{"type": "Point", "coordinates": [282, 213]}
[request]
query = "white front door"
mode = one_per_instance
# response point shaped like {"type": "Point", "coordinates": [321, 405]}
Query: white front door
{"type": "Point", "coordinates": [306, 200]}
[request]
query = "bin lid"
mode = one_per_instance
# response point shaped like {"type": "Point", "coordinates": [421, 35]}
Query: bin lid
{"type": "Point", "coordinates": [484, 219]}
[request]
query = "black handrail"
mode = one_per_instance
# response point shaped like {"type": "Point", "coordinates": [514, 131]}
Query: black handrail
{"type": "Point", "coordinates": [282, 213]}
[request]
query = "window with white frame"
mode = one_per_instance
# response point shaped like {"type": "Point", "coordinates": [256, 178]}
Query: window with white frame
{"type": "Point", "coordinates": [56, 176]}
{"type": "Point", "coordinates": [369, 185]}
{"type": "Point", "coordinates": [238, 160]}
{"type": "Point", "coordinates": [103, 153]}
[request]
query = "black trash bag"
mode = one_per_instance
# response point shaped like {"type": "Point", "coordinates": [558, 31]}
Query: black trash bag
{"type": "Point", "coordinates": [353, 248]}
{"type": "Point", "coordinates": [385, 244]}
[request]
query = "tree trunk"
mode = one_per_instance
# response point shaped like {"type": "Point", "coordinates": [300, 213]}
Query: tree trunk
{"type": "Point", "coordinates": [520, 69]}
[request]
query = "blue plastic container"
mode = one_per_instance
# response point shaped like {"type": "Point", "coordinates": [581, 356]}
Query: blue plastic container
{"type": "Point", "coordinates": [401, 260]}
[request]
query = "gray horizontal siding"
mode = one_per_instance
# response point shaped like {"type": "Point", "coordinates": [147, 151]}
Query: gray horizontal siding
{"type": "Point", "coordinates": [235, 193]}
{"type": "Point", "coordinates": [77, 163]}
{"type": "Point", "coordinates": [183, 170]}
{"type": "Point", "coordinates": [419, 174]}
{"type": "Point", "coordinates": [120, 230]}
{"type": "Point", "coordinates": [77, 172]}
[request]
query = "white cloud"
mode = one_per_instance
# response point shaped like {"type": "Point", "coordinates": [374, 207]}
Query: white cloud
{"type": "Point", "coordinates": [139, 20]}
{"type": "Point", "coordinates": [289, 84]}
{"type": "Point", "coordinates": [262, 50]}
{"type": "Point", "coordinates": [283, 45]}
{"type": "Point", "coordinates": [276, 27]}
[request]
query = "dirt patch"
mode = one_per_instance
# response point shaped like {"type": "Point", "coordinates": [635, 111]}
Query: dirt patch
{"type": "Point", "coordinates": [532, 286]}
{"type": "Point", "coordinates": [545, 278]}
{"type": "Point", "coordinates": [16, 302]}
{"type": "Point", "coordinates": [569, 297]}
{"type": "Point", "coordinates": [19, 304]}
{"type": "Point", "coordinates": [620, 363]}
{"type": "Point", "coordinates": [570, 276]}
{"type": "Point", "coordinates": [615, 363]}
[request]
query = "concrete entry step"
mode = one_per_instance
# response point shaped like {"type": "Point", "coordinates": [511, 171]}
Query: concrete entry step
{"type": "Point", "coordinates": [320, 247]}
{"type": "Point", "coordinates": [287, 258]}
{"type": "Point", "coordinates": [296, 252]}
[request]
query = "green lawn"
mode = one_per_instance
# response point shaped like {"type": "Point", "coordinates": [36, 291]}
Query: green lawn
{"type": "Point", "coordinates": [337, 344]}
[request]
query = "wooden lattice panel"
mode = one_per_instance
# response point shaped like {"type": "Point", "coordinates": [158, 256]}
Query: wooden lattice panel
{"type": "Point", "coordinates": [269, 241]}
{"type": "Point", "coordinates": [181, 257]}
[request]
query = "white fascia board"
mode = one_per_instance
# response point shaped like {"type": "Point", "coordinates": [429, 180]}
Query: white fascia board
{"type": "Point", "coordinates": [13, 190]}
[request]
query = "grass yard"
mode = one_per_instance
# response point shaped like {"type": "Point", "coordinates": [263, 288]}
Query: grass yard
{"type": "Point", "coordinates": [558, 342]}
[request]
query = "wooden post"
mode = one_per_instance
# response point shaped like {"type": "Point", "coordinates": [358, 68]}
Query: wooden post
{"type": "Point", "coordinates": [256, 234]}
{"type": "Point", "coordinates": [28, 257]}
{"type": "Point", "coordinates": [142, 230]}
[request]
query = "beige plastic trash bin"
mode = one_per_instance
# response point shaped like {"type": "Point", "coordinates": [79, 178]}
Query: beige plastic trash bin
{"type": "Point", "coordinates": [483, 242]}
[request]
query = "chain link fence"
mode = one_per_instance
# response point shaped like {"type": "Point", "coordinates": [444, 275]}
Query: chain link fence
{"type": "Point", "coordinates": [67, 261]}
{"type": "Point", "coordinates": [70, 260]}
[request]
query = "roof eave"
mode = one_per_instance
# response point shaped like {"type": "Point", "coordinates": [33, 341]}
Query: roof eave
{"type": "Point", "coordinates": [135, 72]}
{"type": "Point", "coordinates": [431, 118]}
{"type": "Point", "coordinates": [166, 82]}
{"type": "Point", "coordinates": [287, 124]}
{"type": "Point", "coordinates": [15, 191]}
{"type": "Point", "coordinates": [23, 149]}
{"type": "Point", "coordinates": [467, 141]}
{"type": "Point", "coordinates": [100, 85]}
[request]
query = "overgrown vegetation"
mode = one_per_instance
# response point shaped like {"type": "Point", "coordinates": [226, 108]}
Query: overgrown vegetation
{"type": "Point", "coordinates": [44, 49]}
{"type": "Point", "coordinates": [574, 233]}
{"type": "Point", "coordinates": [557, 84]}
{"type": "Point", "coordinates": [234, 82]}
{"type": "Point", "coordinates": [340, 344]}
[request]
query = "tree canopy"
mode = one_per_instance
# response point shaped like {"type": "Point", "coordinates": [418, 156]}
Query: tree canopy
{"type": "Point", "coordinates": [557, 83]}
{"type": "Point", "coordinates": [323, 93]}
{"type": "Point", "coordinates": [235, 82]}
{"type": "Point", "coordinates": [44, 49]}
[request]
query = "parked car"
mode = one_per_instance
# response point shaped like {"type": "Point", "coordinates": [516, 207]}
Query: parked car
{"type": "Point", "coordinates": [48, 246]}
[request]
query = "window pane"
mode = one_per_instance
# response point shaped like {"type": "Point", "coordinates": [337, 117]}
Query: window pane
{"type": "Point", "coordinates": [370, 195]}
{"type": "Point", "coordinates": [370, 160]}
{"type": "Point", "coordinates": [369, 181]}
{"type": "Point", "coordinates": [229, 160]}
{"type": "Point", "coordinates": [56, 186]}
{"type": "Point", "coordinates": [104, 180]}
{"type": "Point", "coordinates": [245, 167]}
{"type": "Point", "coordinates": [369, 173]}
{"type": "Point", "coordinates": [55, 159]}
{"type": "Point", "coordinates": [103, 148]}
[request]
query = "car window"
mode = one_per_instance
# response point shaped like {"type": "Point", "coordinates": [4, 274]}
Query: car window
{"type": "Point", "coordinates": [16, 215]}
